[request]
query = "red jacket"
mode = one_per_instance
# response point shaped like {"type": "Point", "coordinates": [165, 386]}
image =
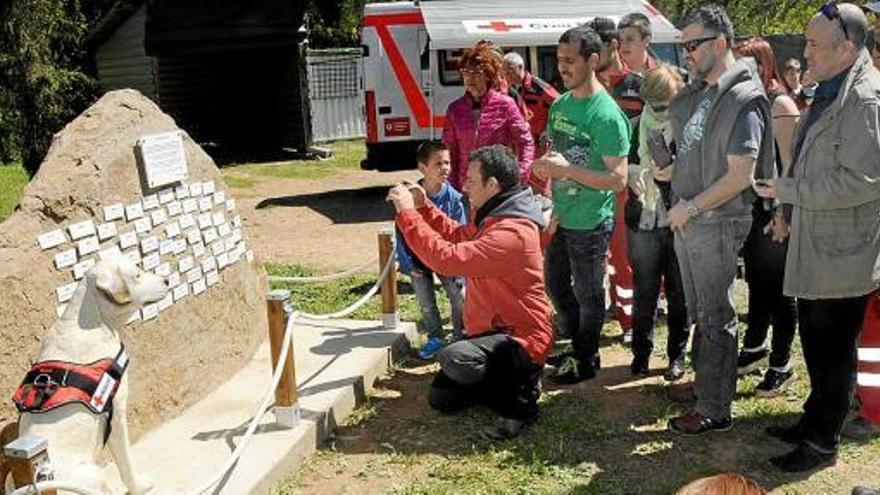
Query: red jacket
{"type": "Point", "coordinates": [538, 95]}
{"type": "Point", "coordinates": [500, 122]}
{"type": "Point", "coordinates": [503, 263]}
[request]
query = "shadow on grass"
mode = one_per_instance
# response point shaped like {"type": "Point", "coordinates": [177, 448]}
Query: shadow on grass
{"type": "Point", "coordinates": [605, 436]}
{"type": "Point", "coordinates": [344, 206]}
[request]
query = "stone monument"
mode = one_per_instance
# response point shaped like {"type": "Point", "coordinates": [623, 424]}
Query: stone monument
{"type": "Point", "coordinates": [123, 178]}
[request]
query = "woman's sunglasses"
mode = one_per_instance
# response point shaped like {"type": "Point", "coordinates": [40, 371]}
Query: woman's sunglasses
{"type": "Point", "coordinates": [660, 108]}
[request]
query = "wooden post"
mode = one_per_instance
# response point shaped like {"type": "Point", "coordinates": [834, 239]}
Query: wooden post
{"type": "Point", "coordinates": [286, 408]}
{"type": "Point", "coordinates": [25, 457]}
{"type": "Point", "coordinates": [390, 315]}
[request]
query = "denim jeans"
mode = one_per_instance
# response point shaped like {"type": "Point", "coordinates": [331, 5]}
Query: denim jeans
{"type": "Point", "coordinates": [574, 267]}
{"type": "Point", "coordinates": [423, 287]}
{"type": "Point", "coordinates": [707, 255]}
{"type": "Point", "coordinates": [765, 271]}
{"type": "Point", "coordinates": [653, 260]}
{"type": "Point", "coordinates": [491, 369]}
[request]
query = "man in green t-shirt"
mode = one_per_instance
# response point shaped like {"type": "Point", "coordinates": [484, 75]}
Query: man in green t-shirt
{"type": "Point", "coordinates": [590, 138]}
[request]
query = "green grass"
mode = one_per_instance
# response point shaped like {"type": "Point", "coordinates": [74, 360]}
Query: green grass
{"type": "Point", "coordinates": [13, 178]}
{"type": "Point", "coordinates": [347, 156]}
{"type": "Point", "coordinates": [593, 439]}
{"type": "Point", "coordinates": [329, 297]}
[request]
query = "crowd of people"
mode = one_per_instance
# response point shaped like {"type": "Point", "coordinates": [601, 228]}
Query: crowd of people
{"type": "Point", "coordinates": [644, 184]}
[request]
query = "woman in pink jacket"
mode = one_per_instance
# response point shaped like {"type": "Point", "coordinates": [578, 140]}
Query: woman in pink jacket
{"type": "Point", "coordinates": [484, 116]}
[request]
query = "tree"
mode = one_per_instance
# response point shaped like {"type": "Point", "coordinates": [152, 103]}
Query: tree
{"type": "Point", "coordinates": [750, 17]}
{"type": "Point", "coordinates": [43, 82]}
{"type": "Point", "coordinates": [334, 24]}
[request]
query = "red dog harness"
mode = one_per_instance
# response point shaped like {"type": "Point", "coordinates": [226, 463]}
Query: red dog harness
{"type": "Point", "coordinates": [52, 384]}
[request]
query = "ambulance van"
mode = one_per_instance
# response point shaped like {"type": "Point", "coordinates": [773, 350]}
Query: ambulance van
{"type": "Point", "coordinates": [411, 50]}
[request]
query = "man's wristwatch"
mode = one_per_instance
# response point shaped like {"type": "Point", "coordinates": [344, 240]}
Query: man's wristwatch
{"type": "Point", "coordinates": [691, 208]}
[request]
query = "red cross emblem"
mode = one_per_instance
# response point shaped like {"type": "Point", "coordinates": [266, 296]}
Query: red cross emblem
{"type": "Point", "coordinates": [99, 402]}
{"type": "Point", "coordinates": [500, 26]}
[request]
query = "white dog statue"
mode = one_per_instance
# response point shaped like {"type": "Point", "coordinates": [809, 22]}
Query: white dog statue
{"type": "Point", "coordinates": [88, 332]}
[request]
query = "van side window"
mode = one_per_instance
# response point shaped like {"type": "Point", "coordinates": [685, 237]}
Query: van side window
{"type": "Point", "coordinates": [547, 68]}
{"type": "Point", "coordinates": [448, 63]}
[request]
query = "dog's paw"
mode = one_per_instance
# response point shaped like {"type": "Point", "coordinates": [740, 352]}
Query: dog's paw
{"type": "Point", "coordinates": [142, 485]}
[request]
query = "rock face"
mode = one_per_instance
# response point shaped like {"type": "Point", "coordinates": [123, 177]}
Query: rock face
{"type": "Point", "coordinates": [190, 347]}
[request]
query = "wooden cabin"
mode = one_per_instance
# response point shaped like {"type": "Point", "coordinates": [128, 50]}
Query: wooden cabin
{"type": "Point", "coordinates": [231, 73]}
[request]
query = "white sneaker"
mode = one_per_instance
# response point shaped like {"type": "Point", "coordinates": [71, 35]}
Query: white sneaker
{"type": "Point", "coordinates": [627, 337]}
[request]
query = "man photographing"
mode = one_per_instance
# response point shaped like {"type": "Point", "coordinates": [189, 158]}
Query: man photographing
{"type": "Point", "coordinates": [506, 316]}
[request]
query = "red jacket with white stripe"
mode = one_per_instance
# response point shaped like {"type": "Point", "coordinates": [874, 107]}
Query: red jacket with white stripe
{"type": "Point", "coordinates": [503, 263]}
{"type": "Point", "coordinates": [500, 122]}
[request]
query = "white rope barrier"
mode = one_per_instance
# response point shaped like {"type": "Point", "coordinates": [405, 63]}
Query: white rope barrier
{"type": "Point", "coordinates": [276, 378]}
{"type": "Point", "coordinates": [323, 278]}
{"type": "Point", "coordinates": [357, 304]}
{"type": "Point", "coordinates": [43, 486]}
{"type": "Point", "coordinates": [40, 487]}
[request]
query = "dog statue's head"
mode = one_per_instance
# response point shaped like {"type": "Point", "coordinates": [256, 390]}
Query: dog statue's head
{"type": "Point", "coordinates": [125, 288]}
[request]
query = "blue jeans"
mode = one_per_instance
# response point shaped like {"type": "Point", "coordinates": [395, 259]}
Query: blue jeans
{"type": "Point", "coordinates": [574, 267]}
{"type": "Point", "coordinates": [707, 254]}
{"type": "Point", "coordinates": [423, 286]}
{"type": "Point", "coordinates": [653, 260]}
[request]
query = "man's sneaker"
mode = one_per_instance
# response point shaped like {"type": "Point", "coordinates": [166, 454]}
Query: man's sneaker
{"type": "Point", "coordinates": [431, 348]}
{"type": "Point", "coordinates": [748, 361]}
{"type": "Point", "coordinates": [802, 459]}
{"type": "Point", "coordinates": [864, 490]}
{"type": "Point", "coordinates": [556, 360]}
{"type": "Point", "coordinates": [774, 382]}
{"type": "Point", "coordinates": [860, 429]}
{"type": "Point", "coordinates": [675, 371]}
{"type": "Point", "coordinates": [694, 423]}
{"type": "Point", "coordinates": [572, 371]}
{"type": "Point", "coordinates": [505, 429]}
{"type": "Point", "coordinates": [627, 337]}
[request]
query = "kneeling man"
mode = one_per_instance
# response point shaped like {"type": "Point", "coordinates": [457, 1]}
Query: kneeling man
{"type": "Point", "coordinates": [506, 315]}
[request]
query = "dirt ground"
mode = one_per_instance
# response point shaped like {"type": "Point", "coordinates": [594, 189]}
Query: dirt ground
{"type": "Point", "coordinates": [329, 223]}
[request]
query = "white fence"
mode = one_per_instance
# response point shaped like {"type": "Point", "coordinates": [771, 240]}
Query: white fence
{"type": "Point", "coordinates": [335, 94]}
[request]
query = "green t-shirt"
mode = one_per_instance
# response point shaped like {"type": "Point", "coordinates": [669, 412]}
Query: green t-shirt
{"type": "Point", "coordinates": [583, 131]}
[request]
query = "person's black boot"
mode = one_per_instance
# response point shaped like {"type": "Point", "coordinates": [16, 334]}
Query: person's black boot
{"type": "Point", "coordinates": [639, 366]}
{"type": "Point", "coordinates": [802, 459]}
{"type": "Point", "coordinates": [504, 429]}
{"type": "Point", "coordinates": [788, 434]}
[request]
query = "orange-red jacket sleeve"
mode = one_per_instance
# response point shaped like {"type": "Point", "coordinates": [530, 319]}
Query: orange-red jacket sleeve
{"type": "Point", "coordinates": [486, 256]}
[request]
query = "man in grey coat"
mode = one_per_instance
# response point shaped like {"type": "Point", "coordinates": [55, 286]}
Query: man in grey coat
{"type": "Point", "coordinates": [833, 262]}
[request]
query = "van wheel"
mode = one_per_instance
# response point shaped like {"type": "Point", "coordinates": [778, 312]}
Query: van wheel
{"type": "Point", "coordinates": [387, 157]}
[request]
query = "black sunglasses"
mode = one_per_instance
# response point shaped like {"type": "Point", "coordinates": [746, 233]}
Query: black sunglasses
{"type": "Point", "coordinates": [660, 108]}
{"type": "Point", "coordinates": [691, 45]}
{"type": "Point", "coordinates": [831, 12]}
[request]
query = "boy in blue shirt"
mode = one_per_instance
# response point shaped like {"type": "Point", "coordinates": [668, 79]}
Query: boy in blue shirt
{"type": "Point", "coordinates": [434, 164]}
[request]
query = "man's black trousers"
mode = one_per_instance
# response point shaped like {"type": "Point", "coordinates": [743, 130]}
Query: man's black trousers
{"type": "Point", "coordinates": [493, 370]}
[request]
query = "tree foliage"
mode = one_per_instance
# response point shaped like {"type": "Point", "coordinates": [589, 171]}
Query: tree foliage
{"type": "Point", "coordinates": [42, 80]}
{"type": "Point", "coordinates": [334, 24]}
{"type": "Point", "coordinates": [750, 17]}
